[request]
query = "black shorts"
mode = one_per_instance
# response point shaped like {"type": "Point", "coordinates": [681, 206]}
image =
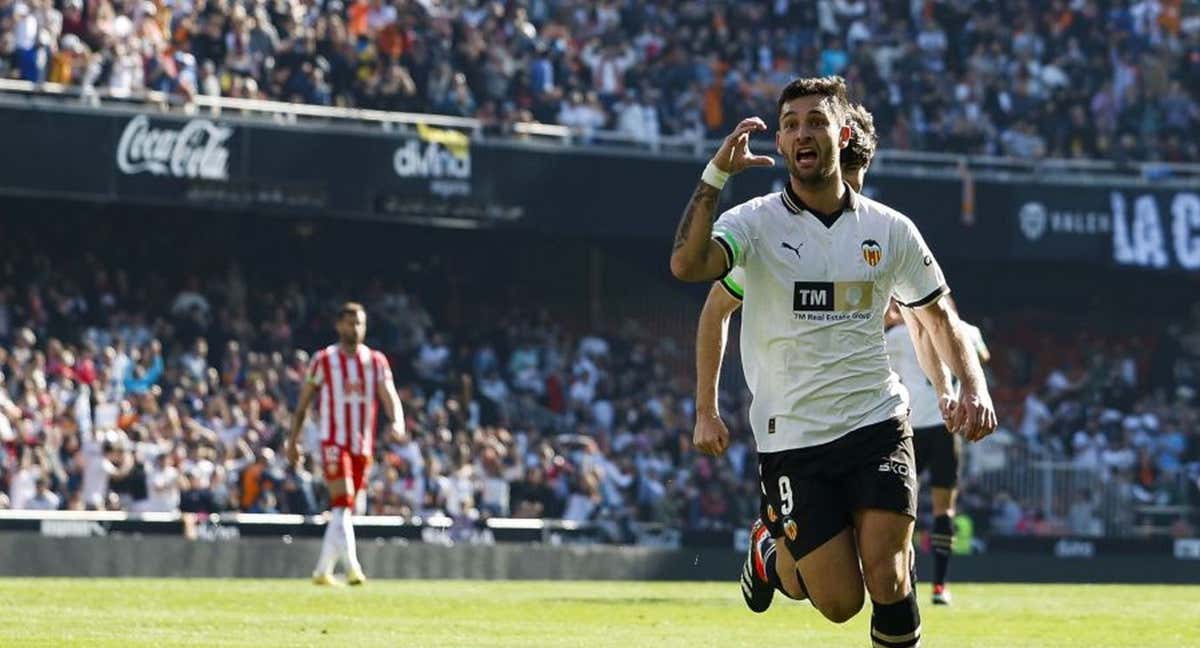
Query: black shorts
{"type": "Point", "coordinates": [810, 494]}
{"type": "Point", "coordinates": [938, 450]}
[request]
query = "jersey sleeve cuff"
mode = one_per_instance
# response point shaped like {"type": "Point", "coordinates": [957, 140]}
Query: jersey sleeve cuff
{"type": "Point", "coordinates": [732, 288]}
{"type": "Point", "coordinates": [729, 256]}
{"type": "Point", "coordinates": [930, 298]}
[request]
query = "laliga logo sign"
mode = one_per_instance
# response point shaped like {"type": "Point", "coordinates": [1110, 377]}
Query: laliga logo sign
{"type": "Point", "coordinates": [195, 151]}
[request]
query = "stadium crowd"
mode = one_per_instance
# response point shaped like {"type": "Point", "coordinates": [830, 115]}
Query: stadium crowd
{"type": "Point", "coordinates": [127, 388]}
{"type": "Point", "coordinates": [1111, 79]}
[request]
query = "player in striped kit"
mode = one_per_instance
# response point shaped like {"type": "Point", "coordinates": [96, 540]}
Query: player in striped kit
{"type": "Point", "coordinates": [351, 380]}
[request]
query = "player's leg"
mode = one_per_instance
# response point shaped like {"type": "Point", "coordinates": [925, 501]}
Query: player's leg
{"type": "Point", "coordinates": [885, 548]}
{"type": "Point", "coordinates": [790, 581]}
{"type": "Point", "coordinates": [831, 575]}
{"type": "Point", "coordinates": [883, 495]}
{"type": "Point", "coordinates": [354, 572]}
{"type": "Point", "coordinates": [338, 470]}
{"type": "Point", "coordinates": [943, 465]}
{"type": "Point", "coordinates": [764, 565]}
{"type": "Point", "coordinates": [801, 514]}
{"type": "Point", "coordinates": [817, 544]}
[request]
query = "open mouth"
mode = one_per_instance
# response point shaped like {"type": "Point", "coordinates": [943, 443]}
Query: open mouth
{"type": "Point", "coordinates": [806, 157]}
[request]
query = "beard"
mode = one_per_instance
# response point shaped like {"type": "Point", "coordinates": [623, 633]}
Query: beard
{"type": "Point", "coordinates": [820, 175]}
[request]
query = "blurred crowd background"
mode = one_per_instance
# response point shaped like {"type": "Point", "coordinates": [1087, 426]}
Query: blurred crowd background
{"type": "Point", "coordinates": [156, 368]}
{"type": "Point", "coordinates": [1092, 79]}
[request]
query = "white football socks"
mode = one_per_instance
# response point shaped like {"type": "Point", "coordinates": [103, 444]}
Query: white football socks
{"type": "Point", "coordinates": [349, 551]}
{"type": "Point", "coordinates": [329, 545]}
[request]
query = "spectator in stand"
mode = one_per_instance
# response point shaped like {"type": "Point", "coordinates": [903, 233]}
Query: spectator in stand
{"type": "Point", "coordinates": [1016, 70]}
{"type": "Point", "coordinates": [108, 400]}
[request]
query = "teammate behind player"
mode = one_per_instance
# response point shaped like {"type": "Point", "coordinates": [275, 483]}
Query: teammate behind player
{"type": "Point", "coordinates": [710, 435]}
{"type": "Point", "coordinates": [931, 397]}
{"type": "Point", "coordinates": [829, 417]}
{"type": "Point", "coordinates": [352, 380]}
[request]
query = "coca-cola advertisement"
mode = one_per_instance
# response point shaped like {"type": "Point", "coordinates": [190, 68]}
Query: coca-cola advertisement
{"type": "Point", "coordinates": [195, 149]}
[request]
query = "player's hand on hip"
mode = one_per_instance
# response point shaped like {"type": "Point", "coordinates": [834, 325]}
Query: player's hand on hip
{"type": "Point", "coordinates": [711, 436]}
{"type": "Point", "coordinates": [975, 417]}
{"type": "Point", "coordinates": [734, 154]}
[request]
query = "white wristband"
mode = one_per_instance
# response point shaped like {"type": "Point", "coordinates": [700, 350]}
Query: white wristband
{"type": "Point", "coordinates": [714, 176]}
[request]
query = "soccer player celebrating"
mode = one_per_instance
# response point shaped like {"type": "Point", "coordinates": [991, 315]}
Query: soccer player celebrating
{"type": "Point", "coordinates": [828, 415]}
{"type": "Point", "coordinates": [710, 435]}
{"type": "Point", "coordinates": [352, 380]}
{"type": "Point", "coordinates": [932, 397]}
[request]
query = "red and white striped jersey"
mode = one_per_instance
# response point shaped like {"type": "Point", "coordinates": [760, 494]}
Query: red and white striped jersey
{"type": "Point", "coordinates": [347, 405]}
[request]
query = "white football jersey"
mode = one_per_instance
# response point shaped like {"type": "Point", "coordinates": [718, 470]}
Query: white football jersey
{"type": "Point", "coordinates": [922, 397]}
{"type": "Point", "coordinates": [812, 313]}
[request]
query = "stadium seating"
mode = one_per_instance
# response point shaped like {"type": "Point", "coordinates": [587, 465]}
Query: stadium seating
{"type": "Point", "coordinates": [189, 356]}
{"type": "Point", "coordinates": [1027, 80]}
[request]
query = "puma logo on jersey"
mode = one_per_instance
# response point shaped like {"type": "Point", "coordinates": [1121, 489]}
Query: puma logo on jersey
{"type": "Point", "coordinates": [793, 248]}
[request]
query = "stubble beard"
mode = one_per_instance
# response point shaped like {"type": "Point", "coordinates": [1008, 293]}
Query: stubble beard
{"type": "Point", "coordinates": [820, 177]}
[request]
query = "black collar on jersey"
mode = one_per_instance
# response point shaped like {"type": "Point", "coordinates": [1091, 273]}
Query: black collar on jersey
{"type": "Point", "coordinates": [793, 204]}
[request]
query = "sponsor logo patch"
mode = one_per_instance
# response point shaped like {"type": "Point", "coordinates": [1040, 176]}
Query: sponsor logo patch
{"type": "Point", "coordinates": [830, 296]}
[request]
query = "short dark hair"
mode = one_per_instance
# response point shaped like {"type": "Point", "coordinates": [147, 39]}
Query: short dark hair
{"type": "Point", "coordinates": [860, 150]}
{"type": "Point", "coordinates": [351, 308]}
{"type": "Point", "coordinates": [829, 87]}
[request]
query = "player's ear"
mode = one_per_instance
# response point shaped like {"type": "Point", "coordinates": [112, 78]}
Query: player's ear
{"type": "Point", "coordinates": [844, 136]}
{"type": "Point", "coordinates": [779, 142]}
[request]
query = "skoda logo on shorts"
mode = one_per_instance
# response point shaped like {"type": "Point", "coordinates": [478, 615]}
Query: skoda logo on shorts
{"type": "Point", "coordinates": [789, 529]}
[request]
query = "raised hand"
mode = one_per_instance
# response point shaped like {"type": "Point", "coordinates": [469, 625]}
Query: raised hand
{"type": "Point", "coordinates": [734, 154]}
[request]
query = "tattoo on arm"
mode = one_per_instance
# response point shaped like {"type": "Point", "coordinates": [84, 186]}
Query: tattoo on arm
{"type": "Point", "coordinates": [704, 202]}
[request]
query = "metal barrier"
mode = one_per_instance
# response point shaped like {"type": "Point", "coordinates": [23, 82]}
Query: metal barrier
{"type": "Point", "coordinates": [914, 163]}
{"type": "Point", "coordinates": [1054, 487]}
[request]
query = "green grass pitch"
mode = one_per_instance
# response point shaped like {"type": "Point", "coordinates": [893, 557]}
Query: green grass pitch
{"type": "Point", "coordinates": [175, 612]}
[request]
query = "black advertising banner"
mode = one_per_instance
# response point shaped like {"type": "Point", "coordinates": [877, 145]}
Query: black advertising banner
{"type": "Point", "coordinates": [442, 177]}
{"type": "Point", "coordinates": [1147, 228]}
{"type": "Point", "coordinates": [65, 154]}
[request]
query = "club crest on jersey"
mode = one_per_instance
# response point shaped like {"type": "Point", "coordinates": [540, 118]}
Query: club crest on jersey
{"type": "Point", "coordinates": [789, 529]}
{"type": "Point", "coordinates": [771, 515]}
{"type": "Point", "coordinates": [872, 252]}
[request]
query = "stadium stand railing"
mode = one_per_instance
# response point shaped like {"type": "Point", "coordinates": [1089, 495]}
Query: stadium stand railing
{"type": "Point", "coordinates": [913, 163]}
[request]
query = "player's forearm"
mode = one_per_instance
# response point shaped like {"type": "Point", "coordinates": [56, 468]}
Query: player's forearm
{"type": "Point", "coordinates": [299, 416]}
{"type": "Point", "coordinates": [927, 356]}
{"type": "Point", "coordinates": [692, 249]}
{"type": "Point", "coordinates": [711, 335]}
{"type": "Point", "coordinates": [955, 350]}
{"type": "Point", "coordinates": [395, 409]}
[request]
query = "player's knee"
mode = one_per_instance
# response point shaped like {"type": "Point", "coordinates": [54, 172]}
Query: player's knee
{"type": "Point", "coordinates": [794, 591]}
{"type": "Point", "coordinates": [842, 608]}
{"type": "Point", "coordinates": [886, 578]}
